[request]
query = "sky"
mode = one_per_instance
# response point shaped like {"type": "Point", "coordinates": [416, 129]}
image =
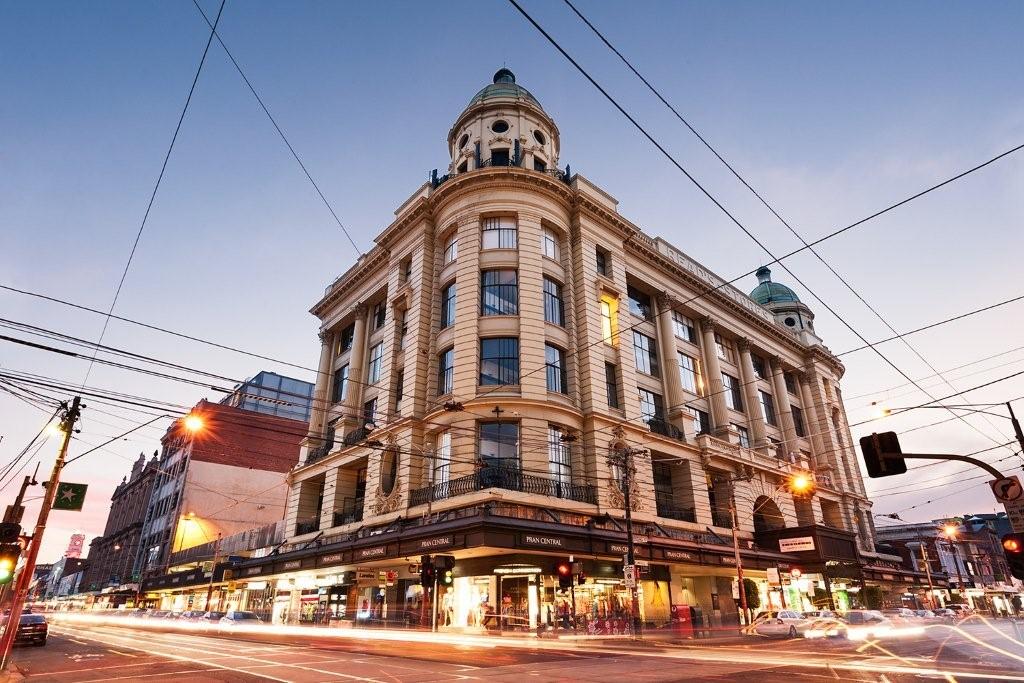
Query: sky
{"type": "Point", "coordinates": [831, 111]}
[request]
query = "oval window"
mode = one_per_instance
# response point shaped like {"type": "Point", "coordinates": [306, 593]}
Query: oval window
{"type": "Point", "coordinates": [499, 126]}
{"type": "Point", "coordinates": [463, 140]}
{"type": "Point", "coordinates": [791, 322]}
{"type": "Point", "coordinates": [388, 471]}
{"type": "Point", "coordinates": [539, 137]}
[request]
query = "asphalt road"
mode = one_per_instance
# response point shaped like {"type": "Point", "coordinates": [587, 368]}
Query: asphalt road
{"type": "Point", "coordinates": [102, 652]}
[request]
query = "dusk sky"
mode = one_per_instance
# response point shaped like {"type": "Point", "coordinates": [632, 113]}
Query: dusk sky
{"type": "Point", "coordinates": [831, 110]}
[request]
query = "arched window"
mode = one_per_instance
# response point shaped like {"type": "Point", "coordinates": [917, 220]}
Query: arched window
{"type": "Point", "coordinates": [389, 470]}
{"type": "Point", "coordinates": [767, 514]}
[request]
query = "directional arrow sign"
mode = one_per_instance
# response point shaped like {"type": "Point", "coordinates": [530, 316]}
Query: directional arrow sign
{"type": "Point", "coordinates": [1007, 489]}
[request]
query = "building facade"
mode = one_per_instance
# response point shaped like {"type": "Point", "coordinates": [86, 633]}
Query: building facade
{"type": "Point", "coordinates": [112, 555]}
{"type": "Point", "coordinates": [483, 365]}
{"type": "Point", "coordinates": [273, 394]}
{"type": "Point", "coordinates": [228, 477]}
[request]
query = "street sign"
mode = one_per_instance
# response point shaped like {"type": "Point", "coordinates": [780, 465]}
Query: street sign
{"type": "Point", "coordinates": [1015, 513]}
{"type": "Point", "coordinates": [629, 572]}
{"type": "Point", "coordinates": [69, 496]}
{"type": "Point", "coordinates": [1007, 489]}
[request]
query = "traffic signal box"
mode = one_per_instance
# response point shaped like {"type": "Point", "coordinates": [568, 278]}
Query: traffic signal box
{"type": "Point", "coordinates": [564, 572]}
{"type": "Point", "coordinates": [1013, 549]}
{"type": "Point", "coordinates": [883, 455]}
{"type": "Point", "coordinates": [428, 573]}
{"type": "Point", "coordinates": [10, 550]}
{"type": "Point", "coordinates": [445, 567]}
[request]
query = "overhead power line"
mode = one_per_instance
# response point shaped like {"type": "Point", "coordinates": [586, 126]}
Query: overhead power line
{"type": "Point", "coordinates": [156, 186]}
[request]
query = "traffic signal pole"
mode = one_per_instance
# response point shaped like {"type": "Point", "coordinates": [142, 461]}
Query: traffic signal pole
{"type": "Point", "coordinates": [24, 579]}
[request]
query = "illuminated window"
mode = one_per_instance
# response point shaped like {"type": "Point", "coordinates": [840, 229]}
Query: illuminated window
{"type": "Point", "coordinates": [607, 320]}
{"type": "Point", "coordinates": [689, 373]}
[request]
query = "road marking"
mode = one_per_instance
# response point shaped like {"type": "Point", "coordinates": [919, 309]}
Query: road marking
{"type": "Point", "coordinates": [123, 654]}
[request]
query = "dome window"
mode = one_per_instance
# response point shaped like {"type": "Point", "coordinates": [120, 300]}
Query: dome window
{"type": "Point", "coordinates": [790, 322]}
{"type": "Point", "coordinates": [463, 140]}
{"type": "Point", "coordinates": [499, 126]}
{"type": "Point", "coordinates": [539, 137]}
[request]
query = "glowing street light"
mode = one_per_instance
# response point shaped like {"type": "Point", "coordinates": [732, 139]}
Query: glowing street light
{"type": "Point", "coordinates": [879, 411]}
{"type": "Point", "coordinates": [801, 482]}
{"type": "Point", "coordinates": [950, 530]}
{"type": "Point", "coordinates": [193, 423]}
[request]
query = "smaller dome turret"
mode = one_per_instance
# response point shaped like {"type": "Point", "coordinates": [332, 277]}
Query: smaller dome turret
{"type": "Point", "coordinates": [768, 292]}
{"type": "Point", "coordinates": [783, 302]}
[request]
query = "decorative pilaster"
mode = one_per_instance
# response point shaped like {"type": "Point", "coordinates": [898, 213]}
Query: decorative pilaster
{"type": "Point", "coordinates": [719, 411]}
{"type": "Point", "coordinates": [670, 378]}
{"type": "Point", "coordinates": [321, 393]}
{"type": "Point", "coordinates": [755, 419]}
{"type": "Point", "coordinates": [812, 423]}
{"type": "Point", "coordinates": [357, 367]}
{"type": "Point", "coordinates": [782, 403]}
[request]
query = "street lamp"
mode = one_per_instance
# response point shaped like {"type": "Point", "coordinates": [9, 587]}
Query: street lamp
{"type": "Point", "coordinates": [193, 423]}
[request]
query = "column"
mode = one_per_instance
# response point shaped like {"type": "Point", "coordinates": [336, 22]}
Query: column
{"type": "Point", "coordinates": [671, 380]}
{"type": "Point", "coordinates": [356, 370]}
{"type": "Point", "coordinates": [811, 423]}
{"type": "Point", "coordinates": [782, 403]}
{"type": "Point", "coordinates": [321, 394]}
{"type": "Point", "coordinates": [533, 376]}
{"type": "Point", "coordinates": [330, 494]}
{"type": "Point", "coordinates": [719, 412]}
{"type": "Point", "coordinates": [755, 420]}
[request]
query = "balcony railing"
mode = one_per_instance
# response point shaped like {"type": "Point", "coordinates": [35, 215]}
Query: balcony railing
{"type": "Point", "coordinates": [351, 511]}
{"type": "Point", "coordinates": [722, 518]}
{"type": "Point", "coordinates": [307, 526]}
{"type": "Point", "coordinates": [668, 510]}
{"type": "Point", "coordinates": [357, 435]}
{"type": "Point", "coordinates": [665, 428]}
{"type": "Point", "coordinates": [564, 176]}
{"type": "Point", "coordinates": [504, 478]}
{"type": "Point", "coordinates": [321, 451]}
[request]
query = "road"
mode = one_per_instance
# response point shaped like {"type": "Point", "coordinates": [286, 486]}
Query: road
{"type": "Point", "coordinates": [106, 652]}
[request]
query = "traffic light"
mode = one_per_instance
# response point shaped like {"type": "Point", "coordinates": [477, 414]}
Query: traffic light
{"type": "Point", "coordinates": [9, 532]}
{"type": "Point", "coordinates": [564, 571]}
{"type": "Point", "coordinates": [427, 572]}
{"type": "Point", "coordinates": [1013, 548]}
{"type": "Point", "coordinates": [577, 570]}
{"type": "Point", "coordinates": [883, 455]}
{"type": "Point", "coordinates": [9, 554]}
{"type": "Point", "coordinates": [445, 567]}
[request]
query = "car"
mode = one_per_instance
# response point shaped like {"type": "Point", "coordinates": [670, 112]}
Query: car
{"type": "Point", "coordinates": [899, 615]}
{"type": "Point", "coordinates": [821, 614]}
{"type": "Point", "coordinates": [960, 609]}
{"type": "Point", "coordinates": [925, 614]}
{"type": "Point", "coordinates": [32, 628]}
{"type": "Point", "coordinates": [784, 623]}
{"type": "Point", "coordinates": [239, 618]}
{"type": "Point", "coordinates": [191, 616]}
{"type": "Point", "coordinates": [210, 618]}
{"type": "Point", "coordinates": [866, 623]}
{"type": "Point", "coordinates": [944, 613]}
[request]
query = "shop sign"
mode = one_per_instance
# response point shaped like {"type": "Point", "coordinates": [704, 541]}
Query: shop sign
{"type": "Point", "coordinates": [175, 579]}
{"type": "Point", "coordinates": [366, 553]}
{"type": "Point", "coordinates": [519, 570]}
{"type": "Point", "coordinates": [888, 577]}
{"type": "Point", "coordinates": [680, 555]}
{"type": "Point", "coordinates": [291, 564]}
{"type": "Point", "coordinates": [773, 576]}
{"type": "Point", "coordinates": [256, 585]}
{"type": "Point", "coordinates": [618, 548]}
{"type": "Point", "coordinates": [334, 558]}
{"type": "Point", "coordinates": [366, 575]}
{"type": "Point", "coordinates": [543, 541]}
{"type": "Point", "coordinates": [796, 545]}
{"type": "Point", "coordinates": [725, 559]}
{"type": "Point", "coordinates": [434, 543]}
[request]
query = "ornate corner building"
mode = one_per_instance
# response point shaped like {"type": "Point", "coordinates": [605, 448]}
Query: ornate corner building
{"type": "Point", "coordinates": [507, 333]}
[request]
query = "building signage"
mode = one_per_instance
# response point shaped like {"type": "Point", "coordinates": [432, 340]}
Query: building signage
{"type": "Point", "coordinates": [433, 543]}
{"type": "Point", "coordinates": [292, 564]}
{"type": "Point", "coordinates": [773, 576]}
{"type": "Point", "coordinates": [796, 545]}
{"type": "Point", "coordinates": [366, 575]}
{"type": "Point", "coordinates": [334, 558]}
{"type": "Point", "coordinates": [618, 548]}
{"type": "Point", "coordinates": [680, 555]}
{"type": "Point", "coordinates": [543, 541]}
{"type": "Point", "coordinates": [726, 559]}
{"type": "Point", "coordinates": [378, 551]}
{"type": "Point", "coordinates": [253, 571]}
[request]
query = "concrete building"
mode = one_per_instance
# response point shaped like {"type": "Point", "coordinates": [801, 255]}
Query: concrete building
{"type": "Point", "coordinates": [273, 394]}
{"type": "Point", "coordinates": [228, 477]}
{"type": "Point", "coordinates": [53, 583]}
{"type": "Point", "coordinates": [112, 555]}
{"type": "Point", "coordinates": [507, 334]}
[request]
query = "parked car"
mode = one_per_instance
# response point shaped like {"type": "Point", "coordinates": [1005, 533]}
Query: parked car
{"type": "Point", "coordinates": [156, 614]}
{"type": "Point", "coordinates": [210, 618]}
{"type": "Point", "coordinates": [925, 614]}
{"type": "Point", "coordinates": [785, 623]}
{"type": "Point", "coordinates": [239, 618]}
{"type": "Point", "coordinates": [32, 628]}
{"type": "Point", "coordinates": [944, 613]}
{"type": "Point", "coordinates": [900, 615]}
{"type": "Point", "coordinates": [960, 609]}
{"type": "Point", "coordinates": [191, 616]}
{"type": "Point", "coordinates": [866, 623]}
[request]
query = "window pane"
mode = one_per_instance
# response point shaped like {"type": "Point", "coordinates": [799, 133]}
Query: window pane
{"type": "Point", "coordinates": [554, 359]}
{"type": "Point", "coordinates": [549, 242]}
{"type": "Point", "coordinates": [499, 233]}
{"type": "Point", "coordinates": [559, 457]}
{"type": "Point", "coordinates": [651, 406]}
{"type": "Point", "coordinates": [689, 373]}
{"type": "Point", "coordinates": [340, 384]}
{"type": "Point", "coordinates": [445, 372]}
{"type": "Point", "coordinates": [499, 444]}
{"type": "Point", "coordinates": [606, 321]}
{"type": "Point", "coordinates": [731, 388]}
{"type": "Point", "coordinates": [602, 262]}
{"type": "Point", "coordinates": [611, 380]}
{"type": "Point", "coordinates": [448, 306]}
{"type": "Point", "coordinates": [701, 420]}
{"type": "Point", "coordinates": [451, 248]}
{"type": "Point", "coordinates": [798, 421]}
{"type": "Point", "coordinates": [758, 363]}
{"type": "Point", "coordinates": [499, 360]}
{"type": "Point", "coordinates": [499, 292]}
{"type": "Point", "coordinates": [646, 354]}
{"type": "Point", "coordinates": [376, 361]}
{"type": "Point", "coordinates": [767, 407]}
{"type": "Point", "coordinates": [683, 327]}
{"type": "Point", "coordinates": [442, 458]}
{"type": "Point", "coordinates": [553, 302]}
{"type": "Point", "coordinates": [639, 303]}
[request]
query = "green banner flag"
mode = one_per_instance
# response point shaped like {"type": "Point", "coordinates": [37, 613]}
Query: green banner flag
{"type": "Point", "coordinates": [70, 496]}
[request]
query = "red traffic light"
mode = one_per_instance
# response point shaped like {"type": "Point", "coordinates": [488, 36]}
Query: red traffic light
{"type": "Point", "coordinates": [564, 569]}
{"type": "Point", "coordinates": [1012, 544]}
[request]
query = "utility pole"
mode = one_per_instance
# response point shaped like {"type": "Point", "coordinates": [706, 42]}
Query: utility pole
{"type": "Point", "coordinates": [624, 459]}
{"type": "Point", "coordinates": [927, 571]}
{"type": "Point", "coordinates": [71, 415]}
{"type": "Point", "coordinates": [213, 572]}
{"type": "Point", "coordinates": [739, 564]}
{"type": "Point", "coordinates": [13, 515]}
{"type": "Point", "coordinates": [1016, 426]}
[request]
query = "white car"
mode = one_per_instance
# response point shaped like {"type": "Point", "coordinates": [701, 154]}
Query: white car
{"type": "Point", "coordinates": [866, 623]}
{"type": "Point", "coordinates": [785, 623]}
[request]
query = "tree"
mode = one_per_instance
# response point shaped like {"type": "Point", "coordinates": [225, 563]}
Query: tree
{"type": "Point", "coordinates": [753, 595]}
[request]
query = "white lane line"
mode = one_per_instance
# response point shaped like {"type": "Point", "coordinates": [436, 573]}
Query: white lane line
{"type": "Point", "coordinates": [123, 654]}
{"type": "Point", "coordinates": [136, 677]}
{"type": "Point", "coordinates": [220, 655]}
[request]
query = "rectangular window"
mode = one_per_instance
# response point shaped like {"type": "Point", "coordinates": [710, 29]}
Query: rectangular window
{"type": "Point", "coordinates": [407, 270]}
{"type": "Point", "coordinates": [500, 233]}
{"type": "Point", "coordinates": [607, 321]}
{"type": "Point", "coordinates": [759, 369]}
{"type": "Point", "coordinates": [370, 411]}
{"type": "Point", "coordinates": [499, 360]}
{"type": "Point", "coordinates": [445, 371]}
{"type": "Point", "coordinates": [554, 359]}
{"type": "Point", "coordinates": [603, 263]}
{"type": "Point", "coordinates": [744, 435]}
{"type": "Point", "coordinates": [791, 383]}
{"type": "Point", "coordinates": [340, 384]}
{"type": "Point", "coordinates": [499, 157]}
{"type": "Point", "coordinates": [683, 327]}
{"type": "Point", "coordinates": [379, 314]}
{"type": "Point", "coordinates": [539, 165]}
{"type": "Point", "coordinates": [451, 248]}
{"type": "Point", "coordinates": [448, 306]}
{"type": "Point", "coordinates": [724, 348]}
{"type": "Point", "coordinates": [646, 354]}
{"type": "Point", "coordinates": [559, 456]}
{"type": "Point", "coordinates": [701, 420]}
{"type": "Point", "coordinates": [376, 361]}
{"type": "Point", "coordinates": [639, 303]}
{"type": "Point", "coordinates": [611, 380]}
{"type": "Point", "coordinates": [733, 395]}
{"type": "Point", "coordinates": [499, 444]}
{"type": "Point", "coordinates": [399, 390]}
{"type": "Point", "coordinates": [442, 458]}
{"type": "Point", "coordinates": [767, 407]}
{"type": "Point", "coordinates": [347, 336]}
{"type": "Point", "coordinates": [553, 312]}
{"type": "Point", "coordinates": [689, 373]}
{"type": "Point", "coordinates": [499, 292]}
{"type": "Point", "coordinates": [651, 406]}
{"type": "Point", "coordinates": [798, 421]}
{"type": "Point", "coordinates": [549, 244]}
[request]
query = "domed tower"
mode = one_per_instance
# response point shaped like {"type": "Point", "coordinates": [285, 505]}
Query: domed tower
{"type": "Point", "coordinates": [503, 125]}
{"type": "Point", "coordinates": [786, 305]}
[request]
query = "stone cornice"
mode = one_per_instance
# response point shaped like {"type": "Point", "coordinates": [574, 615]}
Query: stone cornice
{"type": "Point", "coordinates": [355, 275]}
{"type": "Point", "coordinates": [510, 177]}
